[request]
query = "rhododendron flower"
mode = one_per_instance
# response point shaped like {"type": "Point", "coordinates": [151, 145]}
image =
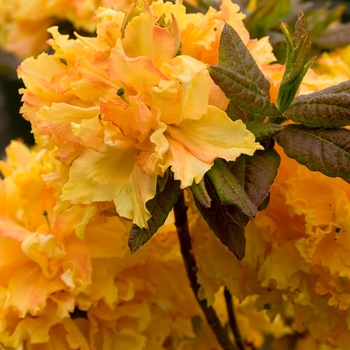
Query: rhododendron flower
{"type": "Point", "coordinates": [297, 254]}
{"type": "Point", "coordinates": [41, 270]}
{"type": "Point", "coordinates": [47, 272]}
{"type": "Point", "coordinates": [200, 33]}
{"type": "Point", "coordinates": [24, 24]}
{"type": "Point", "coordinates": [59, 291]}
{"type": "Point", "coordinates": [309, 222]}
{"type": "Point", "coordinates": [334, 64]}
{"type": "Point", "coordinates": [125, 108]}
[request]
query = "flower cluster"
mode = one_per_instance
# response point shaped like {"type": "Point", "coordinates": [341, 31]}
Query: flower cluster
{"type": "Point", "coordinates": [296, 262]}
{"type": "Point", "coordinates": [335, 64]}
{"type": "Point", "coordinates": [113, 116]}
{"type": "Point", "coordinates": [83, 288]}
{"type": "Point", "coordinates": [24, 24]}
{"type": "Point", "coordinates": [305, 231]}
{"type": "Point", "coordinates": [60, 291]}
{"type": "Point", "coordinates": [127, 106]}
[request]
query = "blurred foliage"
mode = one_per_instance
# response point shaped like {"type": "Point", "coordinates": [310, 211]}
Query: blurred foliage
{"type": "Point", "coordinates": [324, 24]}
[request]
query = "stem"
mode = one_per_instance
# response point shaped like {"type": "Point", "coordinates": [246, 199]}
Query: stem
{"type": "Point", "coordinates": [232, 320]}
{"type": "Point", "coordinates": [183, 233]}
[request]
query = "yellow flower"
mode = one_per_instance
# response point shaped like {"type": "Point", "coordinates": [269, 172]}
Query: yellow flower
{"type": "Point", "coordinates": [306, 251]}
{"type": "Point", "coordinates": [297, 257]}
{"type": "Point", "coordinates": [24, 24]}
{"type": "Point", "coordinates": [125, 109]}
{"type": "Point", "coordinates": [57, 290]}
{"type": "Point", "coordinates": [335, 64]}
{"type": "Point", "coordinates": [38, 262]}
{"type": "Point", "coordinates": [200, 33]}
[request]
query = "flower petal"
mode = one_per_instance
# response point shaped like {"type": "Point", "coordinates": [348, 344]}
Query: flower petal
{"type": "Point", "coordinates": [215, 135]}
{"type": "Point", "coordinates": [186, 167]}
{"type": "Point", "coordinates": [138, 190]}
{"type": "Point", "coordinates": [137, 74]}
{"type": "Point", "coordinates": [37, 287]}
{"type": "Point", "coordinates": [144, 38]}
{"type": "Point", "coordinates": [186, 95]}
{"type": "Point", "coordinates": [108, 173]}
{"type": "Point", "coordinates": [56, 121]}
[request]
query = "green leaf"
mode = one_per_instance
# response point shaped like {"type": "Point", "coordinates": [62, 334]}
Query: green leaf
{"type": "Point", "coordinates": [264, 204]}
{"type": "Point", "coordinates": [319, 149]}
{"type": "Point", "coordinates": [226, 221]}
{"type": "Point", "coordinates": [290, 46]}
{"type": "Point", "coordinates": [236, 113]}
{"type": "Point", "coordinates": [159, 207]}
{"type": "Point", "coordinates": [163, 180]}
{"type": "Point", "coordinates": [297, 63]}
{"type": "Point", "coordinates": [229, 190]}
{"type": "Point", "coordinates": [263, 131]}
{"type": "Point", "coordinates": [234, 55]}
{"type": "Point", "coordinates": [257, 173]}
{"type": "Point", "coordinates": [299, 29]}
{"type": "Point", "coordinates": [200, 193]}
{"type": "Point", "coordinates": [291, 81]}
{"type": "Point", "coordinates": [243, 92]}
{"type": "Point", "coordinates": [329, 107]}
{"type": "Point", "coordinates": [239, 76]}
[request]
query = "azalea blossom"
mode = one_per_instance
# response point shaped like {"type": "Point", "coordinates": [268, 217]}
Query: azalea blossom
{"type": "Point", "coordinates": [334, 64]}
{"type": "Point", "coordinates": [124, 107]}
{"type": "Point", "coordinates": [80, 293]}
{"type": "Point", "coordinates": [68, 279]}
{"type": "Point", "coordinates": [24, 24]}
{"type": "Point", "coordinates": [296, 263]}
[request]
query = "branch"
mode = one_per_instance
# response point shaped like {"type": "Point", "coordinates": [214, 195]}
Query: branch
{"type": "Point", "coordinates": [183, 232]}
{"type": "Point", "coordinates": [232, 320]}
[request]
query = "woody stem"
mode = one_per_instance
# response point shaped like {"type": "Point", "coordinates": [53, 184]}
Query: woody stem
{"type": "Point", "coordinates": [232, 320]}
{"type": "Point", "coordinates": [181, 223]}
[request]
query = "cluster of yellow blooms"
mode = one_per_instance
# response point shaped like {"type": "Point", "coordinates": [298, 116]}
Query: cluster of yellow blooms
{"type": "Point", "coordinates": [23, 24]}
{"type": "Point", "coordinates": [126, 107]}
{"type": "Point", "coordinates": [110, 114]}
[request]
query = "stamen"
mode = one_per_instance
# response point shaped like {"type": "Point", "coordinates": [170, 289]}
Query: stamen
{"type": "Point", "coordinates": [45, 213]}
{"type": "Point", "coordinates": [120, 93]}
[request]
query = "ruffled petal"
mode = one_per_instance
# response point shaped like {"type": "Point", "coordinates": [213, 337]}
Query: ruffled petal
{"type": "Point", "coordinates": [186, 94]}
{"type": "Point", "coordinates": [44, 251]}
{"type": "Point", "coordinates": [11, 255]}
{"type": "Point", "coordinates": [57, 120]}
{"type": "Point", "coordinates": [93, 82]}
{"type": "Point", "coordinates": [215, 135]}
{"type": "Point", "coordinates": [37, 287]}
{"type": "Point", "coordinates": [107, 174]}
{"type": "Point", "coordinates": [138, 190]}
{"type": "Point", "coordinates": [144, 38]}
{"type": "Point", "coordinates": [136, 74]}
{"type": "Point", "coordinates": [186, 167]}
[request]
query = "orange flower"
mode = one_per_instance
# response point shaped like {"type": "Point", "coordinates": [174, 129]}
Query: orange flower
{"type": "Point", "coordinates": [24, 24]}
{"type": "Point", "coordinates": [306, 249]}
{"type": "Point", "coordinates": [126, 109]}
{"type": "Point", "coordinates": [335, 64]}
{"type": "Point", "coordinates": [34, 256]}
{"type": "Point", "coordinates": [297, 256]}
{"type": "Point", "coordinates": [59, 290]}
{"type": "Point", "coordinates": [200, 33]}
